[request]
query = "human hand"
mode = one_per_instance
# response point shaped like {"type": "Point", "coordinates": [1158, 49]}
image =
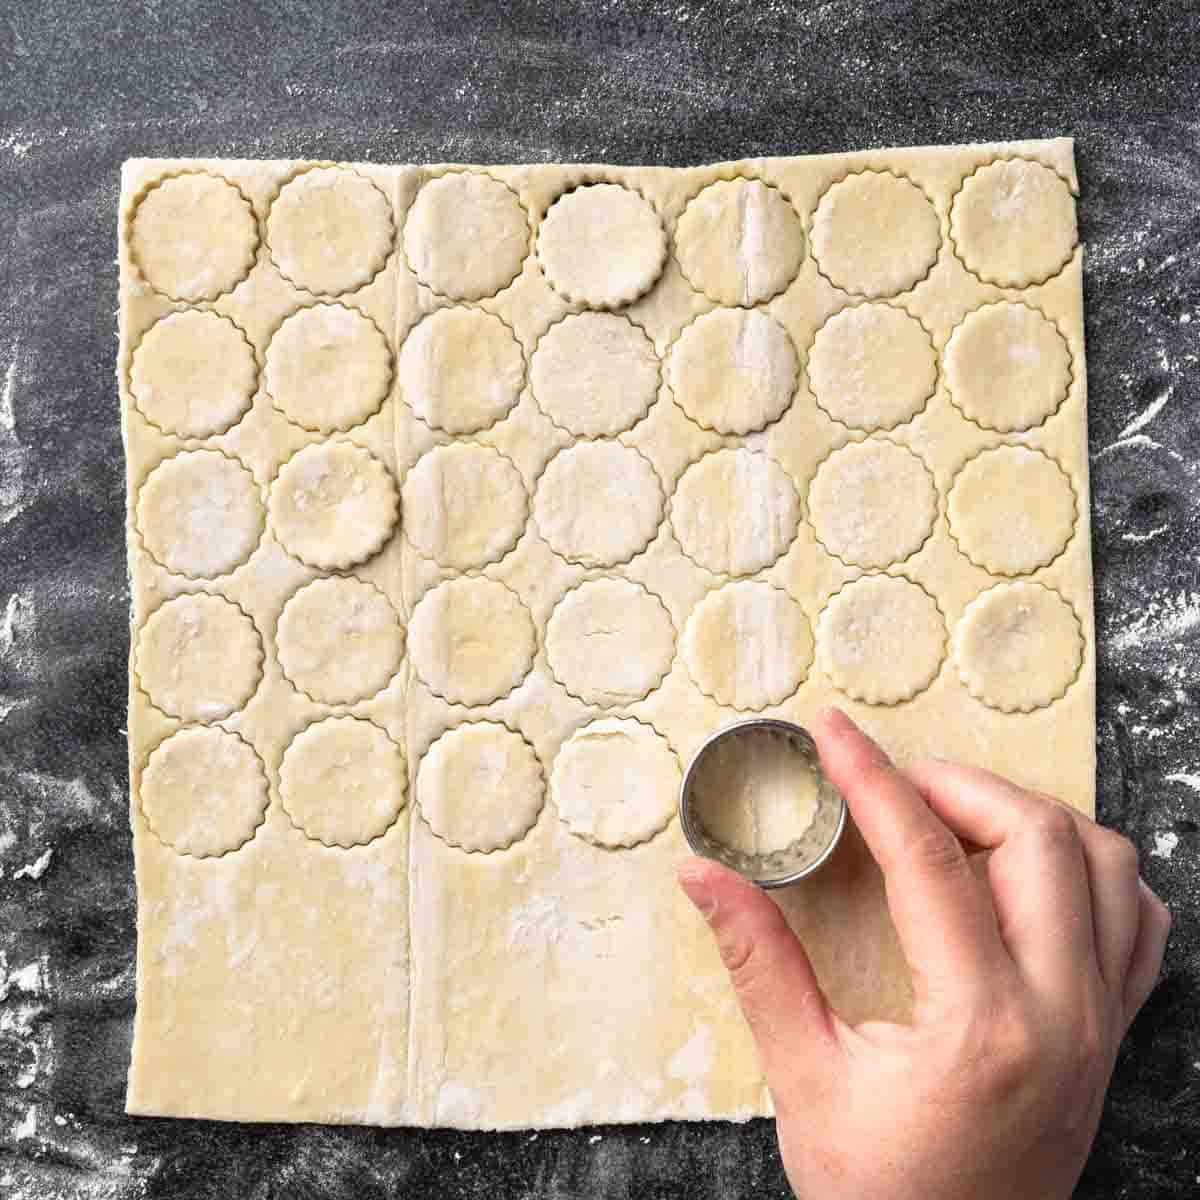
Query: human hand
{"type": "Point", "coordinates": [1026, 976]}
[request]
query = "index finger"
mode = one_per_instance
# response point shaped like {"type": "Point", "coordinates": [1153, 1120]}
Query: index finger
{"type": "Point", "coordinates": [943, 916]}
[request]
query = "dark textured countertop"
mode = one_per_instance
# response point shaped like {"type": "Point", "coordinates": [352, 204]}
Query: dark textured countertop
{"type": "Point", "coordinates": [84, 86]}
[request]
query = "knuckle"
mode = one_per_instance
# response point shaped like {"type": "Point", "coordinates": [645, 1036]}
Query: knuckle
{"type": "Point", "coordinates": [1055, 822]}
{"type": "Point", "coordinates": [935, 851]}
{"type": "Point", "coordinates": [1120, 852]}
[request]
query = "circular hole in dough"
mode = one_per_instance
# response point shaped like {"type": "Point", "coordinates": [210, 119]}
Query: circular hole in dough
{"type": "Point", "coordinates": [461, 370]}
{"type": "Point", "coordinates": [466, 235]}
{"type": "Point", "coordinates": [199, 657]}
{"type": "Point", "coordinates": [465, 505]}
{"type": "Point", "coordinates": [1012, 510]}
{"type": "Point", "coordinates": [193, 236]}
{"type": "Point", "coordinates": [481, 787]}
{"type": "Point", "coordinates": [332, 505]}
{"type": "Point", "coordinates": [328, 368]}
{"type": "Point", "coordinates": [734, 370]}
{"type": "Point", "coordinates": [598, 503]}
{"type": "Point", "coordinates": [875, 234]}
{"type": "Point", "coordinates": [872, 366]}
{"type": "Point", "coordinates": [748, 645]}
{"type": "Point", "coordinates": [342, 781]}
{"type": "Point", "coordinates": [193, 374]}
{"type": "Point", "coordinates": [200, 514]}
{"type": "Point", "coordinates": [330, 230]}
{"type": "Point", "coordinates": [471, 641]}
{"type": "Point", "coordinates": [615, 783]}
{"type": "Point", "coordinates": [594, 374]}
{"type": "Point", "coordinates": [609, 641]}
{"type": "Point", "coordinates": [204, 792]}
{"type": "Point", "coordinates": [1019, 647]}
{"type": "Point", "coordinates": [735, 511]}
{"type": "Point", "coordinates": [339, 640]}
{"type": "Point", "coordinates": [881, 639]}
{"type": "Point", "coordinates": [1008, 367]}
{"type": "Point", "coordinates": [601, 245]}
{"type": "Point", "coordinates": [873, 503]}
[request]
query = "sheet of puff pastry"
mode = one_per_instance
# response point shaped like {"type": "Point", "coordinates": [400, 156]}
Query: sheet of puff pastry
{"type": "Point", "coordinates": [465, 502]}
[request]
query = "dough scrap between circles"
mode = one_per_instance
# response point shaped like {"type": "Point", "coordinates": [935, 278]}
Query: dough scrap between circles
{"type": "Point", "coordinates": [328, 368]}
{"type": "Point", "coordinates": [735, 511]}
{"type": "Point", "coordinates": [339, 640]}
{"type": "Point", "coordinates": [193, 374]}
{"type": "Point", "coordinates": [873, 503]}
{"type": "Point", "coordinates": [461, 370]}
{"type": "Point", "coordinates": [193, 237]}
{"type": "Point", "coordinates": [881, 639]}
{"type": "Point", "coordinates": [330, 230]}
{"type": "Point", "coordinates": [594, 374]}
{"type": "Point", "coordinates": [601, 245]}
{"type": "Point", "coordinates": [1013, 223]}
{"type": "Point", "coordinates": [1019, 647]}
{"type": "Point", "coordinates": [480, 787]}
{"type": "Point", "coordinates": [875, 234]}
{"type": "Point", "coordinates": [734, 370]}
{"type": "Point", "coordinates": [872, 367]}
{"type": "Point", "coordinates": [1008, 367]}
{"type": "Point", "coordinates": [342, 781]}
{"type": "Point", "coordinates": [609, 642]}
{"type": "Point", "coordinates": [332, 505]}
{"type": "Point", "coordinates": [465, 505]}
{"type": "Point", "coordinates": [615, 783]}
{"type": "Point", "coordinates": [740, 242]}
{"type": "Point", "coordinates": [748, 645]}
{"type": "Point", "coordinates": [204, 792]}
{"type": "Point", "coordinates": [200, 514]}
{"type": "Point", "coordinates": [598, 503]}
{"type": "Point", "coordinates": [471, 641]}
{"type": "Point", "coordinates": [1012, 510]}
{"type": "Point", "coordinates": [466, 235]}
{"type": "Point", "coordinates": [199, 657]}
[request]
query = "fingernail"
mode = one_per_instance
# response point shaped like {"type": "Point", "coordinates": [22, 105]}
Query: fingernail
{"type": "Point", "coordinates": [836, 718]}
{"type": "Point", "coordinates": [698, 892]}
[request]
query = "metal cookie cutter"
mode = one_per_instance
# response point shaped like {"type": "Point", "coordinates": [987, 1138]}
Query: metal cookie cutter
{"type": "Point", "coordinates": [729, 758]}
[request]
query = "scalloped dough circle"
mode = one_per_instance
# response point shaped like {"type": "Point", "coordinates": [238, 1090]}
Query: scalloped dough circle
{"type": "Point", "coordinates": [328, 368]}
{"type": "Point", "coordinates": [735, 511]}
{"type": "Point", "coordinates": [602, 245]}
{"type": "Point", "coordinates": [595, 374]}
{"type": "Point", "coordinates": [748, 645]}
{"type": "Point", "coordinates": [199, 657]}
{"type": "Point", "coordinates": [339, 640]}
{"type": "Point", "coordinates": [1018, 646]}
{"type": "Point", "coordinates": [200, 514]}
{"type": "Point", "coordinates": [330, 230]}
{"type": "Point", "coordinates": [740, 242]}
{"type": "Point", "coordinates": [598, 503]}
{"type": "Point", "coordinates": [854, 508]}
{"type": "Point", "coordinates": [471, 641]}
{"type": "Point", "coordinates": [481, 787]}
{"type": "Point", "coordinates": [342, 781]}
{"type": "Point", "coordinates": [465, 505]}
{"type": "Point", "coordinates": [461, 370]}
{"type": "Point", "coordinates": [193, 374]}
{"type": "Point", "coordinates": [734, 370]}
{"type": "Point", "coordinates": [1008, 367]}
{"type": "Point", "coordinates": [881, 639]}
{"type": "Point", "coordinates": [332, 505]}
{"type": "Point", "coordinates": [203, 792]}
{"type": "Point", "coordinates": [875, 234]}
{"type": "Point", "coordinates": [610, 642]}
{"type": "Point", "coordinates": [615, 783]}
{"type": "Point", "coordinates": [194, 237]}
{"type": "Point", "coordinates": [1012, 510]}
{"type": "Point", "coordinates": [872, 367]}
{"type": "Point", "coordinates": [1013, 223]}
{"type": "Point", "coordinates": [466, 235]}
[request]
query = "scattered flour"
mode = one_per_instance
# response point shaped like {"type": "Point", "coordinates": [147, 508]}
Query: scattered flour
{"type": "Point", "coordinates": [35, 870]}
{"type": "Point", "coordinates": [1192, 781]}
{"type": "Point", "coordinates": [1164, 845]}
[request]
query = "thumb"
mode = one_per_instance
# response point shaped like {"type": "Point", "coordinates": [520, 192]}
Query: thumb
{"type": "Point", "coordinates": [776, 986]}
